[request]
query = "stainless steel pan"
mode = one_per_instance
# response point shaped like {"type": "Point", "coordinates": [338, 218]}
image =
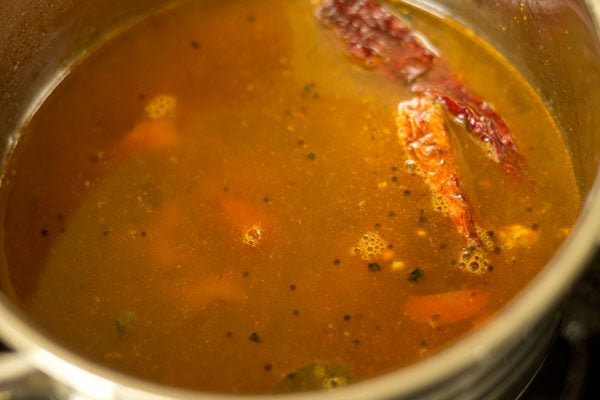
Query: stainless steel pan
{"type": "Point", "coordinates": [555, 45]}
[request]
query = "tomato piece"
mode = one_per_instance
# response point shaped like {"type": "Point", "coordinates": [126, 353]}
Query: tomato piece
{"type": "Point", "coordinates": [445, 308]}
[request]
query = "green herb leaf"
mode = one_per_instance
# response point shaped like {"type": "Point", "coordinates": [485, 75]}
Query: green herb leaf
{"type": "Point", "coordinates": [125, 323]}
{"type": "Point", "coordinates": [314, 376]}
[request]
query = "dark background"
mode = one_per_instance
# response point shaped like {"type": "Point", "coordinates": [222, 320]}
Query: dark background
{"type": "Point", "coordinates": [572, 368]}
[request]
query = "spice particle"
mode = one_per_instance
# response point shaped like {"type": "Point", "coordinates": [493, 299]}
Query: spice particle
{"type": "Point", "coordinates": [416, 275]}
{"type": "Point", "coordinates": [374, 267]}
{"type": "Point", "coordinates": [254, 337]}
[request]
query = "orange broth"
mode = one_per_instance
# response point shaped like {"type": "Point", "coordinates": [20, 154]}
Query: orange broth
{"type": "Point", "coordinates": [217, 197]}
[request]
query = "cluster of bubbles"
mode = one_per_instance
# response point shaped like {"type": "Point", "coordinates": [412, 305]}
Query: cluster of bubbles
{"type": "Point", "coordinates": [440, 204]}
{"type": "Point", "coordinates": [253, 235]}
{"type": "Point", "coordinates": [370, 246]}
{"type": "Point", "coordinates": [161, 106]}
{"type": "Point", "coordinates": [474, 260]}
{"type": "Point", "coordinates": [486, 237]}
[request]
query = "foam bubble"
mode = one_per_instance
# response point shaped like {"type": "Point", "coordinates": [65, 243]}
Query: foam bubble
{"type": "Point", "coordinates": [440, 204]}
{"type": "Point", "coordinates": [474, 260]}
{"type": "Point", "coordinates": [370, 246]}
{"type": "Point", "coordinates": [486, 237]}
{"type": "Point", "coordinates": [253, 235]}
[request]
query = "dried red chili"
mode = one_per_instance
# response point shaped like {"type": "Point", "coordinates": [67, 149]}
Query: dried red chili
{"type": "Point", "coordinates": [378, 38]}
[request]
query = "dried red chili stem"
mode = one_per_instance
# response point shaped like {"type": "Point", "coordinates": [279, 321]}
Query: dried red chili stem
{"type": "Point", "coordinates": [375, 36]}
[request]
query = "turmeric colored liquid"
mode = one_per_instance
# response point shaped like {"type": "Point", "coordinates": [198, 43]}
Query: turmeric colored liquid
{"type": "Point", "coordinates": [217, 198]}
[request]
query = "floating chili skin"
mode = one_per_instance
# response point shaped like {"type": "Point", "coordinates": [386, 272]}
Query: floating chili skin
{"type": "Point", "coordinates": [426, 141]}
{"type": "Point", "coordinates": [478, 116]}
{"type": "Point", "coordinates": [376, 37]}
{"type": "Point", "coordinates": [427, 144]}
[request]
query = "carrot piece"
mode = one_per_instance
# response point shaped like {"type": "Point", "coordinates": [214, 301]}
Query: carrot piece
{"type": "Point", "coordinates": [151, 135]}
{"type": "Point", "coordinates": [445, 308]}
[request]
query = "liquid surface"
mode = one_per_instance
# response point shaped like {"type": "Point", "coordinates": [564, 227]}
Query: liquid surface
{"type": "Point", "coordinates": [218, 198]}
